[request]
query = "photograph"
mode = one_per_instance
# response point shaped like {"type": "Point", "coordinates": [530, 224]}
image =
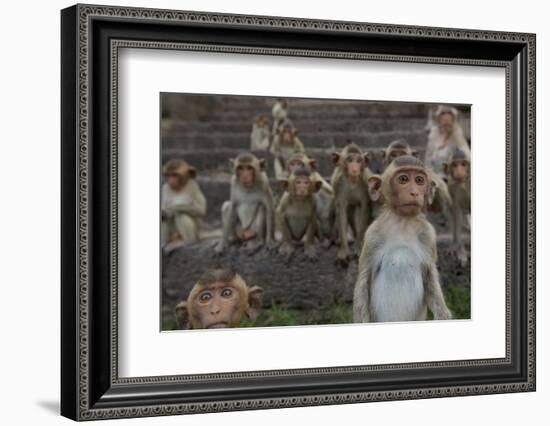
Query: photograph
{"type": "Point", "coordinates": [282, 211]}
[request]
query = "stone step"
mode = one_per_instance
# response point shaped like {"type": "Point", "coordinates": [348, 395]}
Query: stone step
{"type": "Point", "coordinates": [327, 140]}
{"type": "Point", "coordinates": [333, 124]}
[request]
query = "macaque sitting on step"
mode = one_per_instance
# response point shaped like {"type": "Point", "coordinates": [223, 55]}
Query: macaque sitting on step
{"type": "Point", "coordinates": [285, 144]}
{"type": "Point", "coordinates": [182, 205]}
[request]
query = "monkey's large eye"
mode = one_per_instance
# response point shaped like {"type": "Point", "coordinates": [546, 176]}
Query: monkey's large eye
{"type": "Point", "coordinates": [402, 179]}
{"type": "Point", "coordinates": [227, 292]}
{"type": "Point", "coordinates": [420, 180]}
{"type": "Point", "coordinates": [205, 296]}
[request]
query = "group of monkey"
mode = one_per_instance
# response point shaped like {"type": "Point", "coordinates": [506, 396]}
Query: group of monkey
{"type": "Point", "coordinates": [397, 274]}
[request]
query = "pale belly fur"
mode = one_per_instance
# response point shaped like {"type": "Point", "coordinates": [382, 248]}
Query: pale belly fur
{"type": "Point", "coordinates": [397, 292]}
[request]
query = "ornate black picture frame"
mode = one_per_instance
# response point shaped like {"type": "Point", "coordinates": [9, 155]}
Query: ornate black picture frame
{"type": "Point", "coordinates": [90, 385]}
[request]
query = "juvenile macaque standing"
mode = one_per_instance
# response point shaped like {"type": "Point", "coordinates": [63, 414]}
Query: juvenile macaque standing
{"type": "Point", "coordinates": [219, 299]}
{"type": "Point", "coordinates": [324, 198]}
{"type": "Point", "coordinates": [296, 215]}
{"type": "Point", "coordinates": [457, 170]}
{"type": "Point", "coordinates": [260, 135]}
{"type": "Point", "coordinates": [248, 216]}
{"type": "Point", "coordinates": [445, 136]}
{"type": "Point", "coordinates": [397, 273]}
{"type": "Point", "coordinates": [182, 205]}
{"type": "Point", "coordinates": [285, 144]}
{"type": "Point", "coordinates": [351, 199]}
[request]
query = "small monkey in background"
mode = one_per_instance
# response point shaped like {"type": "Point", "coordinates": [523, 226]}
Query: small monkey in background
{"type": "Point", "coordinates": [324, 198]}
{"type": "Point", "coordinates": [280, 116]}
{"type": "Point", "coordinates": [397, 273]}
{"type": "Point", "coordinates": [396, 149]}
{"type": "Point", "coordinates": [182, 205]}
{"type": "Point", "coordinates": [285, 144]}
{"type": "Point", "coordinates": [248, 216]}
{"type": "Point", "coordinates": [260, 135]}
{"type": "Point", "coordinates": [296, 215]}
{"type": "Point", "coordinates": [351, 199]}
{"type": "Point", "coordinates": [445, 136]}
{"type": "Point", "coordinates": [219, 299]}
{"type": "Point", "coordinates": [457, 170]}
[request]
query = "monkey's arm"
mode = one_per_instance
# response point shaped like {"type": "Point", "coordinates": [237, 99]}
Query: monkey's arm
{"type": "Point", "coordinates": [270, 213]}
{"type": "Point", "coordinates": [361, 291]}
{"type": "Point", "coordinates": [280, 218]}
{"type": "Point", "coordinates": [275, 146]}
{"type": "Point", "coordinates": [434, 294]}
{"type": "Point", "coordinates": [298, 145]}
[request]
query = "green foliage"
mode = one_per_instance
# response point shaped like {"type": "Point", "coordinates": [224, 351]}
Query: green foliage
{"type": "Point", "coordinates": [457, 298]}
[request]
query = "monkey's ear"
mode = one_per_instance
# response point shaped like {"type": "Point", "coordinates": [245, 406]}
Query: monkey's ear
{"type": "Point", "coordinates": [415, 153]}
{"type": "Point", "coordinates": [375, 187]}
{"type": "Point", "coordinates": [261, 161]}
{"type": "Point", "coordinates": [313, 164]}
{"type": "Point", "coordinates": [254, 302]}
{"type": "Point", "coordinates": [317, 185]}
{"type": "Point", "coordinates": [182, 316]}
{"type": "Point", "coordinates": [382, 153]}
{"type": "Point", "coordinates": [295, 131]}
{"type": "Point", "coordinates": [446, 168]}
{"type": "Point", "coordinates": [366, 156]}
{"type": "Point", "coordinates": [335, 157]}
{"type": "Point", "coordinates": [431, 192]}
{"type": "Point", "coordinates": [284, 184]}
{"type": "Point", "coordinates": [192, 172]}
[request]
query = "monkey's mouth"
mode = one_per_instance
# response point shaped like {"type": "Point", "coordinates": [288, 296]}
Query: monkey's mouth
{"type": "Point", "coordinates": [220, 324]}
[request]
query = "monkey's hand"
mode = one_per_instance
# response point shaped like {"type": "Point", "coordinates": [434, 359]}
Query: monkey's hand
{"type": "Point", "coordinates": [220, 248]}
{"type": "Point", "coordinates": [311, 253]}
{"type": "Point", "coordinates": [442, 313]}
{"type": "Point", "coordinates": [286, 249]}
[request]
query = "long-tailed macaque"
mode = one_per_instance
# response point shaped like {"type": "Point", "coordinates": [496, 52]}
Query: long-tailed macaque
{"type": "Point", "coordinates": [296, 215]}
{"type": "Point", "coordinates": [445, 136]}
{"type": "Point", "coordinates": [324, 198]}
{"type": "Point", "coordinates": [457, 170]}
{"type": "Point", "coordinates": [280, 116]}
{"type": "Point", "coordinates": [260, 135]}
{"type": "Point", "coordinates": [285, 144]}
{"type": "Point", "coordinates": [397, 273]}
{"type": "Point", "coordinates": [182, 205]}
{"type": "Point", "coordinates": [396, 149]}
{"type": "Point", "coordinates": [219, 299]}
{"type": "Point", "coordinates": [351, 199]}
{"type": "Point", "coordinates": [442, 199]}
{"type": "Point", "coordinates": [248, 216]}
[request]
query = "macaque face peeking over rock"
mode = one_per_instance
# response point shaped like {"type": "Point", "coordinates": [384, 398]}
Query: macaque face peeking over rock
{"type": "Point", "coordinates": [410, 188]}
{"type": "Point", "coordinates": [219, 299]}
{"type": "Point", "coordinates": [458, 169]}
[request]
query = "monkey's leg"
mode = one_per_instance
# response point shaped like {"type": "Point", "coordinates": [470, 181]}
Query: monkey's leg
{"type": "Point", "coordinates": [279, 169]}
{"type": "Point", "coordinates": [187, 228]}
{"type": "Point", "coordinates": [310, 238]}
{"type": "Point", "coordinates": [342, 213]}
{"type": "Point", "coordinates": [254, 236]}
{"type": "Point", "coordinates": [360, 220]}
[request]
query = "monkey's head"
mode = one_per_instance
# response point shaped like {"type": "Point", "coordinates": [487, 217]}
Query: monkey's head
{"type": "Point", "coordinates": [301, 184]}
{"type": "Point", "coordinates": [287, 133]}
{"type": "Point", "coordinates": [177, 173]}
{"type": "Point", "coordinates": [299, 159]}
{"type": "Point", "coordinates": [458, 166]}
{"type": "Point", "coordinates": [261, 121]}
{"type": "Point", "coordinates": [246, 167]}
{"type": "Point", "coordinates": [352, 160]}
{"type": "Point", "coordinates": [396, 149]}
{"type": "Point", "coordinates": [405, 186]}
{"type": "Point", "coordinates": [280, 109]}
{"type": "Point", "coordinates": [446, 118]}
{"type": "Point", "coordinates": [219, 299]}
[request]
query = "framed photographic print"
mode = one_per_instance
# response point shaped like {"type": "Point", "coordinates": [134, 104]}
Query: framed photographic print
{"type": "Point", "coordinates": [263, 212]}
